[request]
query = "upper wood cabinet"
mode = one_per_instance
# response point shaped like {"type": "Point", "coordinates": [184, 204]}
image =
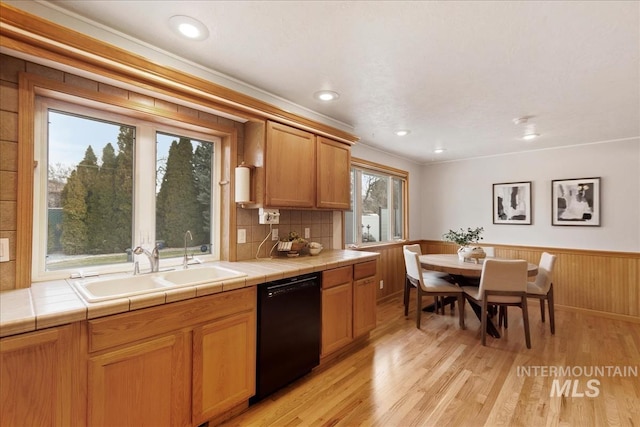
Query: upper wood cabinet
{"type": "Point", "coordinates": [289, 167]}
{"type": "Point", "coordinates": [296, 168]}
{"type": "Point", "coordinates": [333, 182]}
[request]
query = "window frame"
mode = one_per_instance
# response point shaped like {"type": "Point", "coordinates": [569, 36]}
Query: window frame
{"type": "Point", "coordinates": [144, 184]}
{"type": "Point", "coordinates": [361, 165]}
{"type": "Point", "coordinates": [193, 117]}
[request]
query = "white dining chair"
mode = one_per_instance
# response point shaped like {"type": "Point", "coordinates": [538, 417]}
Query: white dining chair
{"type": "Point", "coordinates": [410, 283]}
{"type": "Point", "coordinates": [502, 283]}
{"type": "Point", "coordinates": [542, 287]}
{"type": "Point", "coordinates": [430, 283]}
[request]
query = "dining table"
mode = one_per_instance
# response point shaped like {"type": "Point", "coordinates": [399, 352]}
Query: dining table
{"type": "Point", "coordinates": [466, 273]}
{"type": "Point", "coordinates": [450, 263]}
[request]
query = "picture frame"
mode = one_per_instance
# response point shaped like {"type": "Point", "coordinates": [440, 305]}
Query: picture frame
{"type": "Point", "coordinates": [575, 202]}
{"type": "Point", "coordinates": [512, 203]}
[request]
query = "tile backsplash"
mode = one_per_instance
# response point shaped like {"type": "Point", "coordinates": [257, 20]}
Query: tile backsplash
{"type": "Point", "coordinates": [319, 223]}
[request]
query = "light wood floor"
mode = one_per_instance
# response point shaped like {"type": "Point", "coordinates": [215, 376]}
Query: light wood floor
{"type": "Point", "coordinates": [441, 375]}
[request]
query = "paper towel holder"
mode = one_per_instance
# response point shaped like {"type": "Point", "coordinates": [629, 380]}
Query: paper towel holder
{"type": "Point", "coordinates": [243, 184]}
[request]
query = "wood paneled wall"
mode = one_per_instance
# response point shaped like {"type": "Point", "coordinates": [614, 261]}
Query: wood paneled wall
{"type": "Point", "coordinates": [602, 282]}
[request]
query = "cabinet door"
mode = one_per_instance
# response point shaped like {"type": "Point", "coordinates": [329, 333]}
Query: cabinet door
{"type": "Point", "coordinates": [289, 167]}
{"type": "Point", "coordinates": [36, 379]}
{"type": "Point", "coordinates": [143, 384]}
{"type": "Point", "coordinates": [364, 306]}
{"type": "Point", "coordinates": [333, 182]}
{"type": "Point", "coordinates": [337, 315]}
{"type": "Point", "coordinates": [224, 361]}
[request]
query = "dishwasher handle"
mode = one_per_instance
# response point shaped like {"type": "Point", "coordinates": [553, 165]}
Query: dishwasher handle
{"type": "Point", "coordinates": [276, 289]}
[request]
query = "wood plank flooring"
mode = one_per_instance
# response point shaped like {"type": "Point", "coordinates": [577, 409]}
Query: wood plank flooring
{"type": "Point", "coordinates": [441, 375]}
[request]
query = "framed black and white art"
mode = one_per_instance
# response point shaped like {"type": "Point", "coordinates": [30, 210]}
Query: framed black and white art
{"type": "Point", "coordinates": [575, 202]}
{"type": "Point", "coordinates": [512, 203]}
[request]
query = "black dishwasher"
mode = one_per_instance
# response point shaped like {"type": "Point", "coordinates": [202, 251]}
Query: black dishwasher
{"type": "Point", "coordinates": [288, 342]}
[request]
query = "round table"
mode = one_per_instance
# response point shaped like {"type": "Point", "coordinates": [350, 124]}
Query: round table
{"type": "Point", "coordinates": [448, 263]}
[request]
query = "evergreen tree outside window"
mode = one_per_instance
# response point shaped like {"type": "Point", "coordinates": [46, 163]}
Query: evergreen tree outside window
{"type": "Point", "coordinates": [183, 188]}
{"type": "Point", "coordinates": [114, 182]}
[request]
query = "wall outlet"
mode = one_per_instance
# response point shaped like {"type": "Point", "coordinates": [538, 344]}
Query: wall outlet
{"type": "Point", "coordinates": [381, 284]}
{"type": "Point", "coordinates": [274, 234]}
{"type": "Point", "coordinates": [242, 235]}
{"type": "Point", "coordinates": [4, 249]}
{"type": "Point", "coordinates": [268, 216]}
{"type": "Point", "coordinates": [307, 233]}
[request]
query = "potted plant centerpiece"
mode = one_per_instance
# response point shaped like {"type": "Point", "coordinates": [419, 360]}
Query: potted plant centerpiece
{"type": "Point", "coordinates": [465, 240]}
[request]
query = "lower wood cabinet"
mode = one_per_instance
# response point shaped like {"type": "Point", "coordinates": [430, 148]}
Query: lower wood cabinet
{"type": "Point", "coordinates": [179, 364]}
{"type": "Point", "coordinates": [143, 384]}
{"type": "Point", "coordinates": [223, 365]}
{"type": "Point", "coordinates": [40, 379]}
{"type": "Point", "coordinates": [348, 306]}
{"type": "Point", "coordinates": [364, 297]}
{"type": "Point", "coordinates": [337, 314]}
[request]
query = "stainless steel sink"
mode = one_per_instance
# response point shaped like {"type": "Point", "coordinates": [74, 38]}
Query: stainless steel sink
{"type": "Point", "coordinates": [96, 290]}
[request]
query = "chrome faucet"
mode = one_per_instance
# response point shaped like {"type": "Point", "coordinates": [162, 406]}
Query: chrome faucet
{"type": "Point", "coordinates": [185, 260]}
{"type": "Point", "coordinates": [154, 257]}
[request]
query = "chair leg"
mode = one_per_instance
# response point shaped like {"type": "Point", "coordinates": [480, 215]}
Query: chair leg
{"type": "Point", "coordinates": [525, 321]}
{"type": "Point", "coordinates": [552, 315]}
{"type": "Point", "coordinates": [418, 306]}
{"type": "Point", "coordinates": [483, 322]}
{"type": "Point", "coordinates": [461, 310]}
{"type": "Point", "coordinates": [407, 287]}
{"type": "Point", "coordinates": [542, 309]}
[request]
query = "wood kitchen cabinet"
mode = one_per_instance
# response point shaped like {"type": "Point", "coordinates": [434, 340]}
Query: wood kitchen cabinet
{"type": "Point", "coordinates": [337, 309]}
{"type": "Point", "coordinates": [40, 378]}
{"type": "Point", "coordinates": [364, 297]}
{"type": "Point", "coordinates": [333, 174]}
{"type": "Point", "coordinates": [297, 169]}
{"type": "Point", "coordinates": [177, 364]}
{"type": "Point", "coordinates": [289, 167]}
{"type": "Point", "coordinates": [142, 384]}
{"type": "Point", "coordinates": [223, 365]}
{"type": "Point", "coordinates": [348, 304]}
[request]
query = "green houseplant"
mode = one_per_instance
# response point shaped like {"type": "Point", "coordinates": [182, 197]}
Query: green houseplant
{"type": "Point", "coordinates": [463, 238]}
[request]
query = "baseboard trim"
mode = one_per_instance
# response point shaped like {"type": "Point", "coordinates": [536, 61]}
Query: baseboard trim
{"type": "Point", "coordinates": [613, 316]}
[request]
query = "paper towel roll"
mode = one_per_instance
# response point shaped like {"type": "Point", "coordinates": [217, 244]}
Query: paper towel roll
{"type": "Point", "coordinates": [243, 184]}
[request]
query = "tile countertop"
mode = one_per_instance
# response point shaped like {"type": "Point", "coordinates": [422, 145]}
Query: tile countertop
{"type": "Point", "coordinates": [55, 303]}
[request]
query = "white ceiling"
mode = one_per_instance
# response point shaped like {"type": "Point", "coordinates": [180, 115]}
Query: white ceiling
{"type": "Point", "coordinates": [455, 73]}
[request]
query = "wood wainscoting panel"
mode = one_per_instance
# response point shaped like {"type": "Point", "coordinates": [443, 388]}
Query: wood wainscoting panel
{"type": "Point", "coordinates": [599, 281]}
{"type": "Point", "coordinates": [602, 282]}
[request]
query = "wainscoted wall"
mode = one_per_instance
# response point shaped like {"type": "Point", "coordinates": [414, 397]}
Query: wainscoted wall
{"type": "Point", "coordinates": [601, 282]}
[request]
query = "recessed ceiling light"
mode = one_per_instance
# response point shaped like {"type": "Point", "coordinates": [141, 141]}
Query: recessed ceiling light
{"type": "Point", "coordinates": [529, 128]}
{"type": "Point", "coordinates": [326, 95]}
{"type": "Point", "coordinates": [402, 132]}
{"type": "Point", "coordinates": [189, 27]}
{"type": "Point", "coordinates": [439, 150]}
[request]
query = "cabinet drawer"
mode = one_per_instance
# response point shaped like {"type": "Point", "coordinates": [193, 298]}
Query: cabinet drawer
{"type": "Point", "coordinates": [136, 325]}
{"type": "Point", "coordinates": [364, 269]}
{"type": "Point", "coordinates": [337, 276]}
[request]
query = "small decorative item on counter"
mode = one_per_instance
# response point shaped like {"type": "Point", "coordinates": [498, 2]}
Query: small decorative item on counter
{"type": "Point", "coordinates": [294, 244]}
{"type": "Point", "coordinates": [315, 248]}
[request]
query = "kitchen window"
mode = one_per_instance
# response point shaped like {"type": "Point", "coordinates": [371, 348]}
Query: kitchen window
{"type": "Point", "coordinates": [378, 202]}
{"type": "Point", "coordinates": [109, 183]}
